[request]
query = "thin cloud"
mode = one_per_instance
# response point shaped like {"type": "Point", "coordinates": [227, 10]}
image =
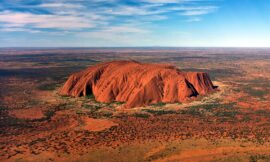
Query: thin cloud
{"type": "Point", "coordinates": [196, 11]}
{"type": "Point", "coordinates": [60, 5]}
{"type": "Point", "coordinates": [99, 15]}
{"type": "Point", "coordinates": [15, 29]}
{"type": "Point", "coordinates": [169, 1]}
{"type": "Point", "coordinates": [125, 29]}
{"type": "Point", "coordinates": [17, 19]}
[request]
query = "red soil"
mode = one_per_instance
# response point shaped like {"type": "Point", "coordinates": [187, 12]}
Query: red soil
{"type": "Point", "coordinates": [97, 125]}
{"type": "Point", "coordinates": [137, 84]}
{"type": "Point", "coordinates": [29, 114]}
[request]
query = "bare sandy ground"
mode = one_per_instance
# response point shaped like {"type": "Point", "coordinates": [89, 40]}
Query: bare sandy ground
{"type": "Point", "coordinates": [97, 124]}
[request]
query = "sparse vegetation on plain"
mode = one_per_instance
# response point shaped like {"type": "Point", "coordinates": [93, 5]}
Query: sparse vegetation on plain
{"type": "Point", "coordinates": [237, 112]}
{"type": "Point", "coordinates": [159, 112]}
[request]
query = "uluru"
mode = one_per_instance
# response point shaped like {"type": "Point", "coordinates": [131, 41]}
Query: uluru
{"type": "Point", "coordinates": [137, 84]}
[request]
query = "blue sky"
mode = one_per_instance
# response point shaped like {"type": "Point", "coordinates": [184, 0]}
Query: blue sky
{"type": "Point", "coordinates": [107, 23]}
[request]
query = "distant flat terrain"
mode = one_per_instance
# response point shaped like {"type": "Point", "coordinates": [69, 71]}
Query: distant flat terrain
{"type": "Point", "coordinates": [232, 124]}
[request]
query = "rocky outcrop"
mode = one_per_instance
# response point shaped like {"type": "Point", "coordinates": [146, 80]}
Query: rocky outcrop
{"type": "Point", "coordinates": [137, 84]}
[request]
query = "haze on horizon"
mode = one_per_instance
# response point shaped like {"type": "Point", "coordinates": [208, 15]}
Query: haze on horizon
{"type": "Point", "coordinates": [124, 23]}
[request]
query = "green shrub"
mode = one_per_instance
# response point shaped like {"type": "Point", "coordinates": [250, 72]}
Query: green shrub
{"type": "Point", "coordinates": [160, 112]}
{"type": "Point", "coordinates": [255, 158]}
{"type": "Point", "coordinates": [226, 113]}
{"type": "Point", "coordinates": [141, 115]}
{"type": "Point", "coordinates": [159, 104]}
{"type": "Point", "coordinates": [119, 103]}
{"type": "Point", "coordinates": [91, 96]}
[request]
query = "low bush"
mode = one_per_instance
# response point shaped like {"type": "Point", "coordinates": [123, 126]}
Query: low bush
{"type": "Point", "coordinates": [160, 112]}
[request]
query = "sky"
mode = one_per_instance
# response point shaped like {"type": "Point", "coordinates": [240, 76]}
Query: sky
{"type": "Point", "coordinates": [134, 23]}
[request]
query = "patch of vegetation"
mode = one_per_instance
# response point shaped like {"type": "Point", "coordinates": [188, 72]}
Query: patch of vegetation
{"type": "Point", "coordinates": [255, 158]}
{"type": "Point", "coordinates": [246, 119]}
{"type": "Point", "coordinates": [49, 114]}
{"type": "Point", "coordinates": [226, 114]}
{"type": "Point", "coordinates": [213, 106]}
{"type": "Point", "coordinates": [90, 96]}
{"type": "Point", "coordinates": [119, 103]}
{"type": "Point", "coordinates": [254, 92]}
{"type": "Point", "coordinates": [205, 106]}
{"type": "Point", "coordinates": [80, 112]}
{"type": "Point", "coordinates": [87, 106]}
{"type": "Point", "coordinates": [260, 81]}
{"type": "Point", "coordinates": [265, 113]}
{"type": "Point", "coordinates": [159, 112]}
{"type": "Point", "coordinates": [216, 109]}
{"type": "Point", "coordinates": [92, 107]}
{"type": "Point", "coordinates": [159, 104]}
{"type": "Point", "coordinates": [121, 115]}
{"type": "Point", "coordinates": [33, 102]}
{"type": "Point", "coordinates": [141, 115]}
{"type": "Point", "coordinates": [192, 111]}
{"type": "Point", "coordinates": [100, 114]}
{"type": "Point", "coordinates": [6, 120]}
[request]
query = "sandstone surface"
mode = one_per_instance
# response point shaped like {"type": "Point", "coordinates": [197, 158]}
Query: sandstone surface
{"type": "Point", "coordinates": [137, 84]}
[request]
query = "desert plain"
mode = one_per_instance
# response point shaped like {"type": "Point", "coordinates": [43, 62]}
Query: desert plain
{"type": "Point", "coordinates": [231, 123]}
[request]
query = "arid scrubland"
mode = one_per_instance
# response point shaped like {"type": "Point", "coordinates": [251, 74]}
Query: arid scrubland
{"type": "Point", "coordinates": [232, 123]}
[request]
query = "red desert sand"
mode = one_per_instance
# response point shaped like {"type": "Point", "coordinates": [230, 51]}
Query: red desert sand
{"type": "Point", "coordinates": [92, 124]}
{"type": "Point", "coordinates": [137, 84]}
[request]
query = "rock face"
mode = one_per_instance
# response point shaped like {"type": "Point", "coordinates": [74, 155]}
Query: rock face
{"type": "Point", "coordinates": [137, 84]}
